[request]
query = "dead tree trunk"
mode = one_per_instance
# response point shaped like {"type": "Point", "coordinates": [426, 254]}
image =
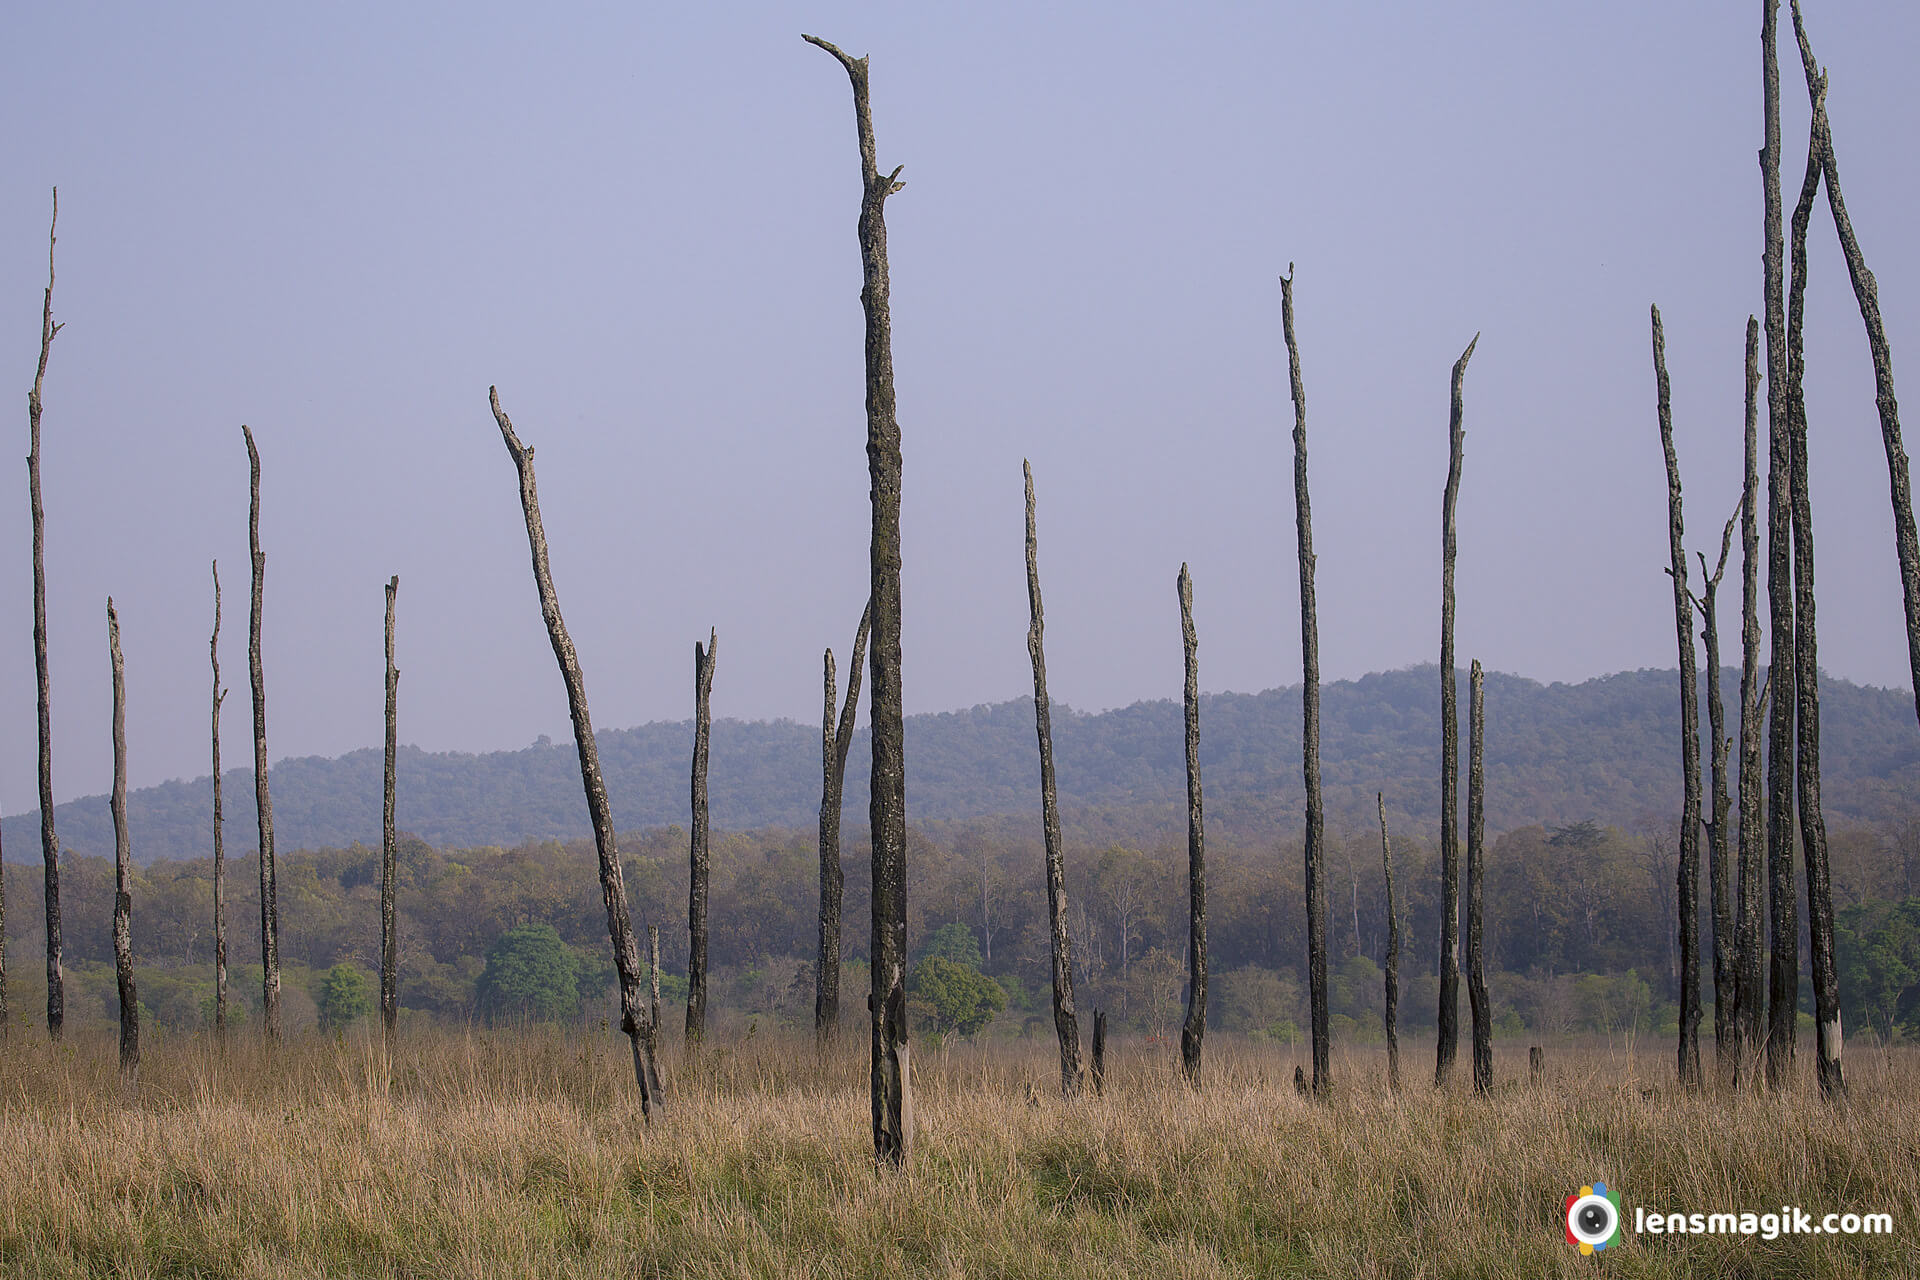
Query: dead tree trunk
{"type": "Point", "coordinates": [1393, 951]}
{"type": "Point", "coordinates": [701, 852]}
{"type": "Point", "coordinates": [650, 1031]}
{"type": "Point", "coordinates": [49, 843]}
{"type": "Point", "coordinates": [1476, 876]}
{"type": "Point", "coordinates": [1194, 1030]}
{"type": "Point", "coordinates": [389, 937]}
{"type": "Point", "coordinates": [1065, 1023]}
{"type": "Point", "coordinates": [263, 802]}
{"type": "Point", "coordinates": [1099, 1072]}
{"type": "Point", "coordinates": [219, 833]}
{"type": "Point", "coordinates": [1750, 915]}
{"type": "Point", "coordinates": [613, 888]}
{"type": "Point", "coordinates": [1316, 886]}
{"type": "Point", "coordinates": [1448, 1046]}
{"type": "Point", "coordinates": [836, 738]}
{"type": "Point", "coordinates": [887, 806]}
{"type": "Point", "coordinates": [1688, 884]}
{"type": "Point", "coordinates": [122, 866]}
{"type": "Point", "coordinates": [1719, 875]}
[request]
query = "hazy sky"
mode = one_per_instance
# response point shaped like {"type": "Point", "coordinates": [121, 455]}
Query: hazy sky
{"type": "Point", "coordinates": [339, 224]}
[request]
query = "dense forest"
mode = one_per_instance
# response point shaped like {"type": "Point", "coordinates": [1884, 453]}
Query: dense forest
{"type": "Point", "coordinates": [1603, 750]}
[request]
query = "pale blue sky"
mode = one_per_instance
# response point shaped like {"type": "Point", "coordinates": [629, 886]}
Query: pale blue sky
{"type": "Point", "coordinates": [341, 223]}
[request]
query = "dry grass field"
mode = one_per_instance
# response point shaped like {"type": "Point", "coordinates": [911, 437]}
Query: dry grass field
{"type": "Point", "coordinates": [522, 1153]}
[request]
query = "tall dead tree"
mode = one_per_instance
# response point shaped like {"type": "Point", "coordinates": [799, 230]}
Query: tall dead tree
{"type": "Point", "coordinates": [836, 738]}
{"type": "Point", "coordinates": [887, 791]}
{"type": "Point", "coordinates": [613, 887]}
{"type": "Point", "coordinates": [650, 1030]}
{"type": "Point", "coordinates": [1392, 1017]}
{"type": "Point", "coordinates": [49, 843]}
{"type": "Point", "coordinates": [1719, 806]}
{"type": "Point", "coordinates": [700, 848]}
{"type": "Point", "coordinates": [389, 937]}
{"type": "Point", "coordinates": [219, 833]}
{"type": "Point", "coordinates": [1316, 885]}
{"type": "Point", "coordinates": [1448, 1045]}
{"type": "Point", "coordinates": [1065, 1023]}
{"type": "Point", "coordinates": [263, 802]}
{"type": "Point", "coordinates": [1750, 913]}
{"type": "Point", "coordinates": [1476, 877]}
{"type": "Point", "coordinates": [1688, 880]}
{"type": "Point", "coordinates": [122, 865]}
{"type": "Point", "coordinates": [1194, 1030]}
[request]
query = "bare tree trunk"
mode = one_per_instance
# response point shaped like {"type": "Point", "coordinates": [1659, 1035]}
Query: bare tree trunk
{"type": "Point", "coordinates": [219, 834]}
{"type": "Point", "coordinates": [650, 1030]}
{"type": "Point", "coordinates": [389, 938]}
{"type": "Point", "coordinates": [1689, 874]}
{"type": "Point", "coordinates": [887, 807]}
{"type": "Point", "coordinates": [1476, 875]}
{"type": "Point", "coordinates": [122, 867]}
{"type": "Point", "coordinates": [263, 802]}
{"type": "Point", "coordinates": [49, 843]}
{"type": "Point", "coordinates": [1065, 1023]}
{"type": "Point", "coordinates": [1448, 1045]}
{"type": "Point", "coordinates": [1099, 1072]}
{"type": "Point", "coordinates": [1316, 886]}
{"type": "Point", "coordinates": [1750, 916]}
{"type": "Point", "coordinates": [613, 887]}
{"type": "Point", "coordinates": [1194, 1030]}
{"type": "Point", "coordinates": [1719, 875]}
{"type": "Point", "coordinates": [653, 973]}
{"type": "Point", "coordinates": [836, 739]}
{"type": "Point", "coordinates": [701, 856]}
{"type": "Point", "coordinates": [1393, 951]}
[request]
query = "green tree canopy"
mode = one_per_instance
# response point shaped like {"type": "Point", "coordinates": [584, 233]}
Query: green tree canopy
{"type": "Point", "coordinates": [954, 997]}
{"type": "Point", "coordinates": [346, 993]}
{"type": "Point", "coordinates": [530, 973]}
{"type": "Point", "coordinates": [953, 941]}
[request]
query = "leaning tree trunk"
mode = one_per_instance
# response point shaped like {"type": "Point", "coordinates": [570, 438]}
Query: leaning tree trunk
{"type": "Point", "coordinates": [1392, 1018]}
{"type": "Point", "coordinates": [613, 888]}
{"type": "Point", "coordinates": [1688, 881]}
{"type": "Point", "coordinates": [122, 866]}
{"type": "Point", "coordinates": [1476, 876]}
{"type": "Point", "coordinates": [1750, 915]}
{"type": "Point", "coordinates": [887, 804]}
{"type": "Point", "coordinates": [49, 843]}
{"type": "Point", "coordinates": [1448, 1045]}
{"type": "Point", "coordinates": [219, 834]}
{"type": "Point", "coordinates": [1719, 875]}
{"type": "Point", "coordinates": [389, 938]}
{"type": "Point", "coordinates": [1065, 1023]}
{"type": "Point", "coordinates": [701, 856]}
{"type": "Point", "coordinates": [1316, 885]}
{"type": "Point", "coordinates": [836, 738]}
{"type": "Point", "coordinates": [1194, 1030]}
{"type": "Point", "coordinates": [263, 802]}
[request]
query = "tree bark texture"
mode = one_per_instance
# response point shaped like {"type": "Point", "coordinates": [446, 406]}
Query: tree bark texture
{"type": "Point", "coordinates": [836, 739]}
{"type": "Point", "coordinates": [49, 842]}
{"type": "Point", "coordinates": [122, 865]}
{"type": "Point", "coordinates": [1448, 1044]}
{"type": "Point", "coordinates": [1316, 885]}
{"type": "Point", "coordinates": [613, 888]}
{"type": "Point", "coordinates": [1065, 1022]}
{"type": "Point", "coordinates": [1392, 1017]}
{"type": "Point", "coordinates": [887, 805]}
{"type": "Point", "coordinates": [263, 802]}
{"type": "Point", "coordinates": [1751, 913]}
{"type": "Point", "coordinates": [1476, 878]}
{"type": "Point", "coordinates": [1194, 1030]}
{"type": "Point", "coordinates": [1719, 808]}
{"type": "Point", "coordinates": [1688, 881]}
{"type": "Point", "coordinates": [219, 833]}
{"type": "Point", "coordinates": [389, 937]}
{"type": "Point", "coordinates": [650, 1030]}
{"type": "Point", "coordinates": [1099, 1072]}
{"type": "Point", "coordinates": [701, 852]}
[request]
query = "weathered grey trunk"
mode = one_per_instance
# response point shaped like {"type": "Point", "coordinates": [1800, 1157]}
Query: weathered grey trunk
{"type": "Point", "coordinates": [650, 1031]}
{"type": "Point", "coordinates": [1751, 912]}
{"type": "Point", "coordinates": [1194, 1030]}
{"type": "Point", "coordinates": [1065, 1022]}
{"type": "Point", "coordinates": [1688, 880]}
{"type": "Point", "coordinates": [1448, 1044]}
{"type": "Point", "coordinates": [49, 843]}
{"type": "Point", "coordinates": [389, 938]}
{"type": "Point", "coordinates": [122, 866]}
{"type": "Point", "coordinates": [701, 855]}
{"type": "Point", "coordinates": [613, 888]}
{"type": "Point", "coordinates": [1719, 807]}
{"type": "Point", "coordinates": [263, 802]}
{"type": "Point", "coordinates": [219, 833]}
{"type": "Point", "coordinates": [1476, 877]}
{"type": "Point", "coordinates": [836, 738]}
{"type": "Point", "coordinates": [887, 805]}
{"type": "Point", "coordinates": [1392, 1017]}
{"type": "Point", "coordinates": [1316, 885]}
{"type": "Point", "coordinates": [1099, 1072]}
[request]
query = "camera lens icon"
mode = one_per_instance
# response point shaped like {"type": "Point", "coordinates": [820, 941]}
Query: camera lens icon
{"type": "Point", "coordinates": [1592, 1218]}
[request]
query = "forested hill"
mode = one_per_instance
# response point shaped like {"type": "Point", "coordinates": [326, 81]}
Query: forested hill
{"type": "Point", "coordinates": [1605, 749]}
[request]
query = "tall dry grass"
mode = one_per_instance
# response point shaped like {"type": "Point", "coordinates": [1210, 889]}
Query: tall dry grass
{"type": "Point", "coordinates": [523, 1153]}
